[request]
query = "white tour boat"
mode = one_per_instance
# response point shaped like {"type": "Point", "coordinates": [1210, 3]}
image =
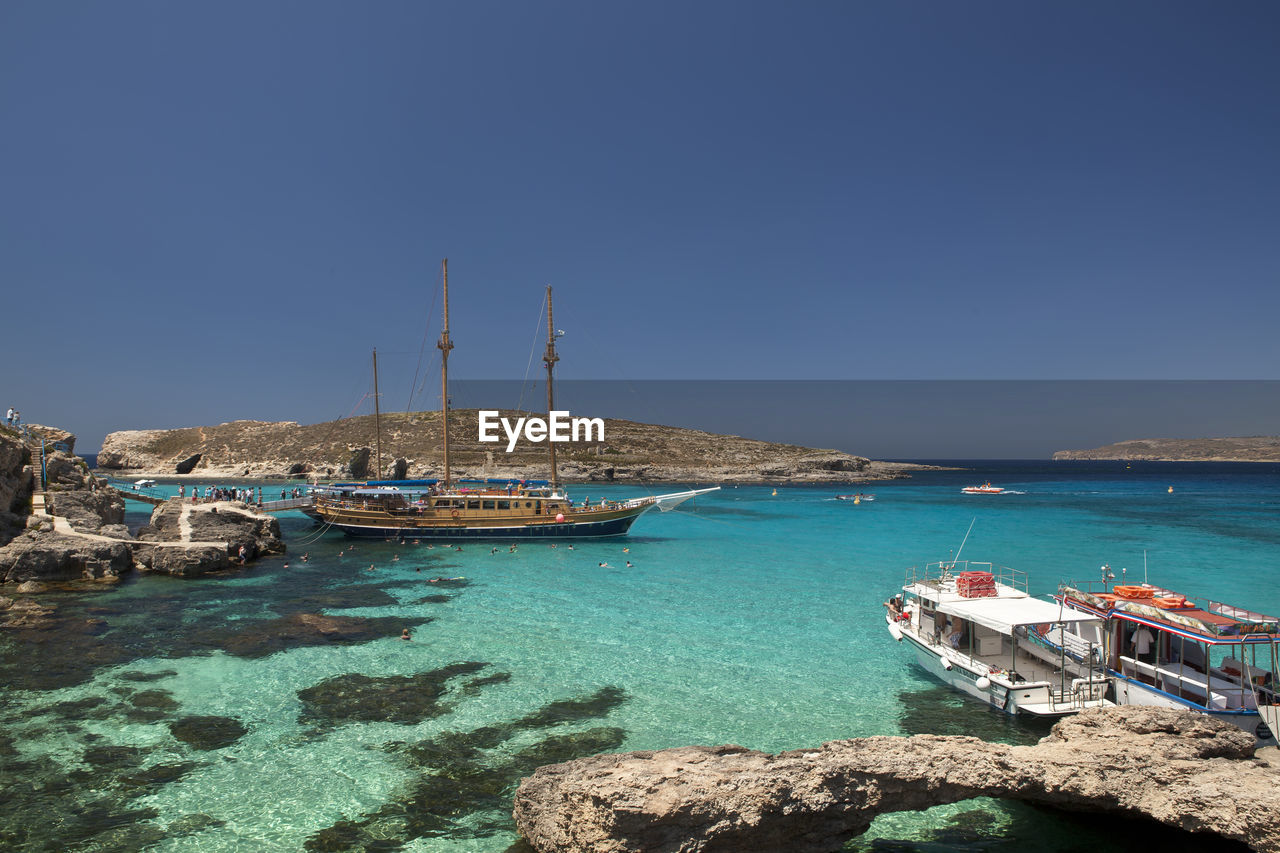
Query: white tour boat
{"type": "Point", "coordinates": [984, 489]}
{"type": "Point", "coordinates": [975, 627]}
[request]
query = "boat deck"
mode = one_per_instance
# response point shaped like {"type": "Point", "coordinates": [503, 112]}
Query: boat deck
{"type": "Point", "coordinates": [1029, 664]}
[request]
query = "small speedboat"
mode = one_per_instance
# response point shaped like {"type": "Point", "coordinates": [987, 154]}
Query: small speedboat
{"type": "Point", "coordinates": [984, 489]}
{"type": "Point", "coordinates": [858, 498]}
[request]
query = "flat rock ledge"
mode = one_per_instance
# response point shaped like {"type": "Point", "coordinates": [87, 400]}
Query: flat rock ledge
{"type": "Point", "coordinates": [1181, 769]}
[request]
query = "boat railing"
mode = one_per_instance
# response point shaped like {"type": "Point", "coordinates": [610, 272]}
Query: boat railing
{"type": "Point", "coordinates": [935, 574]}
{"type": "Point", "coordinates": [1078, 693]}
{"type": "Point", "coordinates": [1239, 613]}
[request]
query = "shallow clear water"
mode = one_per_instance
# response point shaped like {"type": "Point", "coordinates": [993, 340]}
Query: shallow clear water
{"type": "Point", "coordinates": [749, 618]}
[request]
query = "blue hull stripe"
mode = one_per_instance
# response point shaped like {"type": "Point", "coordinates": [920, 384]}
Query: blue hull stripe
{"type": "Point", "coordinates": [588, 530]}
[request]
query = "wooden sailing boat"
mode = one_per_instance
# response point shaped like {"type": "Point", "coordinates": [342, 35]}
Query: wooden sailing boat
{"type": "Point", "coordinates": [479, 509]}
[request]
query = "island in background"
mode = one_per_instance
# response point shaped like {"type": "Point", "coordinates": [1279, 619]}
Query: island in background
{"type": "Point", "coordinates": [1261, 448]}
{"type": "Point", "coordinates": [411, 448]}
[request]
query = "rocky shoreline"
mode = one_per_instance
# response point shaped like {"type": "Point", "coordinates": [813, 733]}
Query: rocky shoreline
{"type": "Point", "coordinates": [72, 531]}
{"type": "Point", "coordinates": [1181, 769]}
{"type": "Point", "coordinates": [412, 448]}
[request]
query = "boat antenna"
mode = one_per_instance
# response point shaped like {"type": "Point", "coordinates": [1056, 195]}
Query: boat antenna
{"type": "Point", "coordinates": [550, 360]}
{"type": "Point", "coordinates": [1144, 565]}
{"type": "Point", "coordinates": [445, 345]}
{"type": "Point", "coordinates": [966, 539]}
{"type": "Point", "coordinates": [377, 420]}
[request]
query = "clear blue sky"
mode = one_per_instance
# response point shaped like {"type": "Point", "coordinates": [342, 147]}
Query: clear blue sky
{"type": "Point", "coordinates": [214, 211]}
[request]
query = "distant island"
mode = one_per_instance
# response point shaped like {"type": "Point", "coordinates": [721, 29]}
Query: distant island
{"type": "Point", "coordinates": [411, 448]}
{"type": "Point", "coordinates": [1262, 448]}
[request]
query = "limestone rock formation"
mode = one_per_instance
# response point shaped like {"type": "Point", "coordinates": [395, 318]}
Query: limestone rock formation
{"type": "Point", "coordinates": [48, 555]}
{"type": "Point", "coordinates": [211, 537]}
{"type": "Point", "coordinates": [120, 450]}
{"type": "Point", "coordinates": [53, 435]}
{"type": "Point", "coordinates": [15, 485]}
{"type": "Point", "coordinates": [80, 535]}
{"type": "Point", "coordinates": [730, 799]}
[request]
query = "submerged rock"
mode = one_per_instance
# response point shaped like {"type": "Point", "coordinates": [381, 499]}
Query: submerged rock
{"type": "Point", "coordinates": [466, 779]}
{"type": "Point", "coordinates": [407, 699]}
{"type": "Point", "coordinates": [728, 798]}
{"type": "Point", "coordinates": [261, 638]}
{"type": "Point", "coordinates": [208, 732]}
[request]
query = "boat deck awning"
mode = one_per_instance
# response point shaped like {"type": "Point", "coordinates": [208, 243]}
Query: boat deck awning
{"type": "Point", "coordinates": [1003, 614]}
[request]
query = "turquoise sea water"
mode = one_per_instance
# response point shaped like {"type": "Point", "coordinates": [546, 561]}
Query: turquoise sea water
{"type": "Point", "coordinates": [749, 618]}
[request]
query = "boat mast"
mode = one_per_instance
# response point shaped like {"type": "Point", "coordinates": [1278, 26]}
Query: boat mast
{"type": "Point", "coordinates": [550, 359]}
{"type": "Point", "coordinates": [377, 419]}
{"type": "Point", "coordinates": [445, 345]}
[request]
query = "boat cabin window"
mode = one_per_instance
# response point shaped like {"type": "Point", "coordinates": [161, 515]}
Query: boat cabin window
{"type": "Point", "coordinates": [504, 504]}
{"type": "Point", "coordinates": [473, 504]}
{"type": "Point", "coordinates": [528, 504]}
{"type": "Point", "coordinates": [489, 504]}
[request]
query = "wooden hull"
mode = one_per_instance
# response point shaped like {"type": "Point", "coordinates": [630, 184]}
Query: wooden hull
{"type": "Point", "coordinates": [381, 525]}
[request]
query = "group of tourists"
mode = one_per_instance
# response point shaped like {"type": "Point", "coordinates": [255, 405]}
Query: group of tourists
{"type": "Point", "coordinates": [246, 495]}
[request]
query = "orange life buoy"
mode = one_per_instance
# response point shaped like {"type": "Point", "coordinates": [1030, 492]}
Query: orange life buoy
{"type": "Point", "coordinates": [455, 514]}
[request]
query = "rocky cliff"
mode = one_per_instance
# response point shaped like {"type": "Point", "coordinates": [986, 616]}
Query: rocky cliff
{"type": "Point", "coordinates": [1250, 449]}
{"type": "Point", "coordinates": [412, 446]}
{"type": "Point", "coordinates": [1181, 769]}
{"type": "Point", "coordinates": [74, 531]}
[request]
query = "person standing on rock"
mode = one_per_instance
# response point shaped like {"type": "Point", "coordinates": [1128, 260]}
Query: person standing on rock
{"type": "Point", "coordinates": [8, 418]}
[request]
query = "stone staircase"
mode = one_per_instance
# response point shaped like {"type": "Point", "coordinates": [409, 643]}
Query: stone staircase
{"type": "Point", "coordinates": [37, 478]}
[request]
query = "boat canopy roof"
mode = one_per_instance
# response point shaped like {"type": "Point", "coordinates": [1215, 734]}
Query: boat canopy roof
{"type": "Point", "coordinates": [1005, 613]}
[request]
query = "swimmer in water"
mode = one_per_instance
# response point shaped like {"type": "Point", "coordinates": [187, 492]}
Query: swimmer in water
{"type": "Point", "coordinates": [404, 635]}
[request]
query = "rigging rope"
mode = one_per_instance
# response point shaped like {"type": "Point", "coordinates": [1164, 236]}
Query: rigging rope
{"type": "Point", "coordinates": [426, 333]}
{"type": "Point", "coordinates": [533, 347]}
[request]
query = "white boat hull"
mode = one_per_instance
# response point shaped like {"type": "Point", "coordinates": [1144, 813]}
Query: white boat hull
{"type": "Point", "coordinates": [1033, 700]}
